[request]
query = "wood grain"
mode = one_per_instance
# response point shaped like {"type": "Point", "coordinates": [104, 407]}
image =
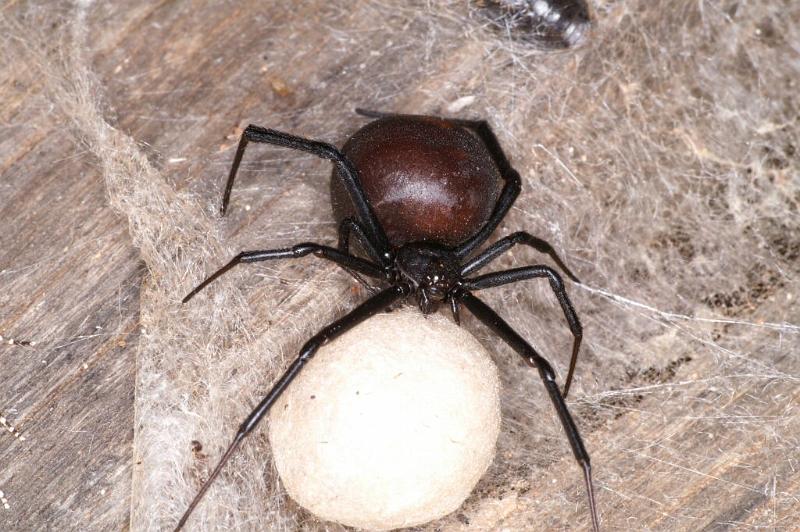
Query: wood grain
{"type": "Point", "coordinates": [182, 78]}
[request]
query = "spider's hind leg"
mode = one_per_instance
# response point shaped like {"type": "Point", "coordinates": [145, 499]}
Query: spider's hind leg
{"type": "Point", "coordinates": [346, 171]}
{"type": "Point", "coordinates": [346, 228]}
{"type": "Point", "coordinates": [350, 226]}
{"type": "Point", "coordinates": [511, 189]}
{"type": "Point", "coordinates": [370, 113]}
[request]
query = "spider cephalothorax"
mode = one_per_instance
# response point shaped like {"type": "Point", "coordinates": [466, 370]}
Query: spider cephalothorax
{"type": "Point", "coordinates": [431, 272]}
{"type": "Point", "coordinates": [420, 195]}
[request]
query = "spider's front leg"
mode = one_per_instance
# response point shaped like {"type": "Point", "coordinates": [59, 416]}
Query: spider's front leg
{"type": "Point", "coordinates": [369, 308]}
{"type": "Point", "coordinates": [492, 320]}
{"type": "Point", "coordinates": [345, 260]}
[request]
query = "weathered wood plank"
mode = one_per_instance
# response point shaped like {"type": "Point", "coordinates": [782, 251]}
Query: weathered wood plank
{"type": "Point", "coordinates": [70, 281]}
{"type": "Point", "coordinates": [692, 100]}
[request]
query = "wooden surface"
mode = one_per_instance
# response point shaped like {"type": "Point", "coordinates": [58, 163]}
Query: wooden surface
{"type": "Point", "coordinates": [182, 79]}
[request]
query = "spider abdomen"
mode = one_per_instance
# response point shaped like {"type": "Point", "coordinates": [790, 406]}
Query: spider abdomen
{"type": "Point", "coordinates": [427, 179]}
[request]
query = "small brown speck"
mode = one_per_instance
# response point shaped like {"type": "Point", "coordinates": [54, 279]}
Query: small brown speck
{"type": "Point", "coordinates": [234, 135]}
{"type": "Point", "coordinates": [280, 87]}
{"type": "Point", "coordinates": [197, 450]}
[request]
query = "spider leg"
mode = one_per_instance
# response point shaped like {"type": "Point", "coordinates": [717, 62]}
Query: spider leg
{"type": "Point", "coordinates": [455, 309]}
{"type": "Point", "coordinates": [507, 196]}
{"type": "Point", "coordinates": [350, 226]}
{"type": "Point", "coordinates": [369, 113]}
{"type": "Point", "coordinates": [492, 320]}
{"type": "Point", "coordinates": [511, 189]}
{"type": "Point", "coordinates": [367, 309]}
{"type": "Point", "coordinates": [347, 171]}
{"type": "Point", "coordinates": [504, 244]}
{"type": "Point", "coordinates": [556, 283]}
{"type": "Point", "coordinates": [344, 260]}
{"type": "Point", "coordinates": [347, 227]}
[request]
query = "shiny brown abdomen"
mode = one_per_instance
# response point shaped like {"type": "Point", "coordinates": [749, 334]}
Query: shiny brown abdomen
{"type": "Point", "coordinates": [425, 178]}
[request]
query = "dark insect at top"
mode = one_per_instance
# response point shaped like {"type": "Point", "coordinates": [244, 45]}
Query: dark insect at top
{"type": "Point", "coordinates": [427, 179]}
{"type": "Point", "coordinates": [542, 24]}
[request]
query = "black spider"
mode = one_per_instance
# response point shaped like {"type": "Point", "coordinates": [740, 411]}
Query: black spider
{"type": "Point", "coordinates": [420, 194]}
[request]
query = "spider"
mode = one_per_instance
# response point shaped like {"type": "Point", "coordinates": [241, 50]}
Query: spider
{"type": "Point", "coordinates": [420, 194]}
